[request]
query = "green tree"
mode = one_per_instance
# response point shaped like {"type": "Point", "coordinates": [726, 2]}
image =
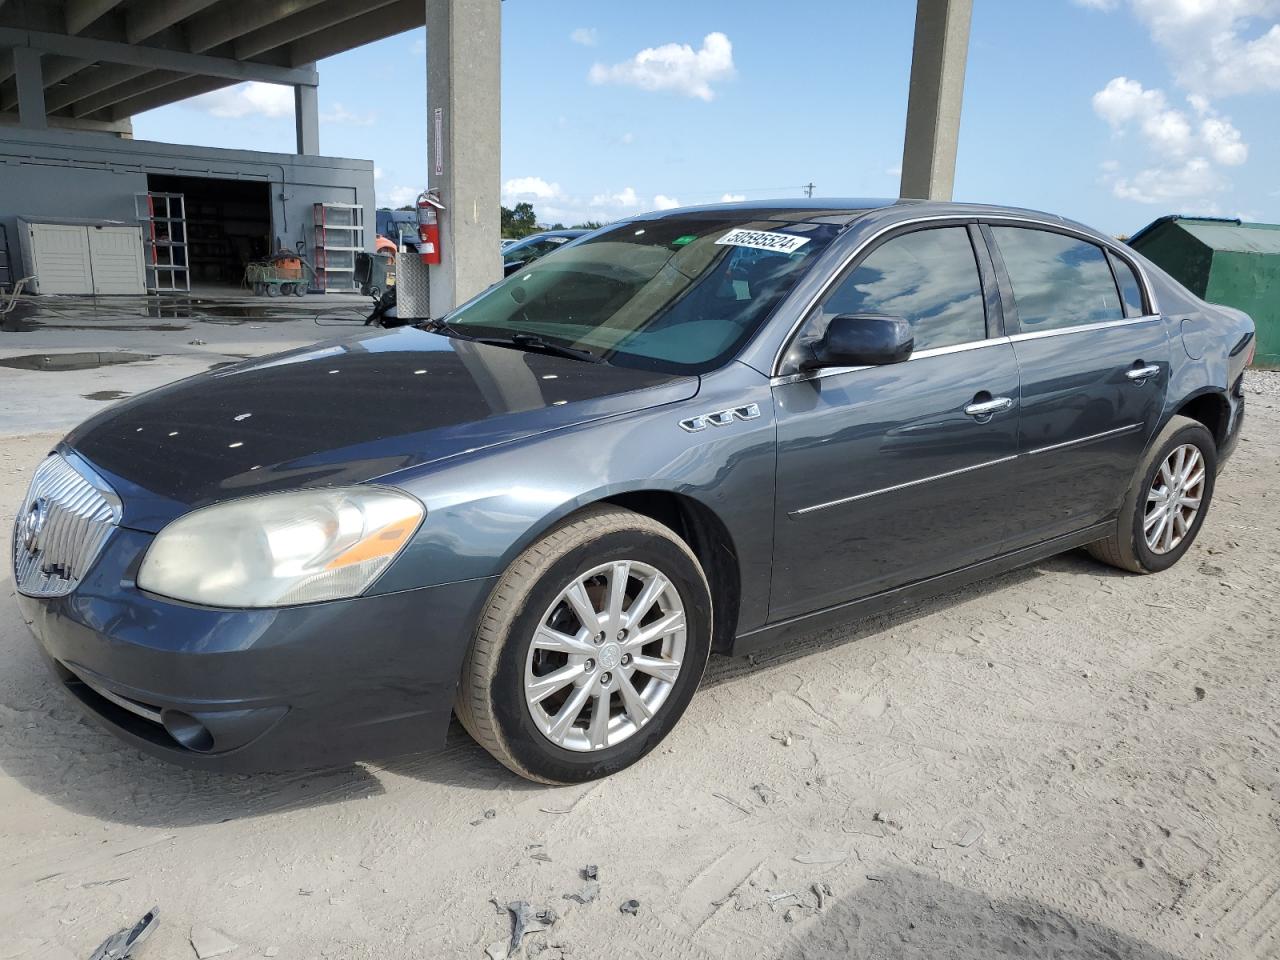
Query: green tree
{"type": "Point", "coordinates": [588, 225]}
{"type": "Point", "coordinates": [520, 221]}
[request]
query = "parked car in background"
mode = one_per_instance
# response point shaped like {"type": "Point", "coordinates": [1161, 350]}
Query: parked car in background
{"type": "Point", "coordinates": [702, 430]}
{"type": "Point", "coordinates": [536, 245]}
{"type": "Point", "coordinates": [508, 241]}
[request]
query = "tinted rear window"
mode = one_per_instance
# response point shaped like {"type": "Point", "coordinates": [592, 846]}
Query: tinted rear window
{"type": "Point", "coordinates": [1130, 289]}
{"type": "Point", "coordinates": [1058, 281]}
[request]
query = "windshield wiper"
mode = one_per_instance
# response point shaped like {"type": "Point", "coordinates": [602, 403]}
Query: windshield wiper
{"type": "Point", "coordinates": [438, 325]}
{"type": "Point", "coordinates": [532, 343]}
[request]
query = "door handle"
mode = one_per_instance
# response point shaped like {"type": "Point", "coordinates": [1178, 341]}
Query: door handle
{"type": "Point", "coordinates": [1140, 375]}
{"type": "Point", "coordinates": [985, 408]}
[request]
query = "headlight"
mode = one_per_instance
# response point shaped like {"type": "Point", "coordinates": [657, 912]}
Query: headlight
{"type": "Point", "coordinates": [281, 549]}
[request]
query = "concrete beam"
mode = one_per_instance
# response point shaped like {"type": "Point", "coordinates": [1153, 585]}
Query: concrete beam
{"type": "Point", "coordinates": [31, 108]}
{"type": "Point", "coordinates": [464, 41]}
{"type": "Point", "coordinates": [83, 13]}
{"type": "Point", "coordinates": [390, 19]}
{"type": "Point", "coordinates": [148, 19]}
{"type": "Point", "coordinates": [306, 23]}
{"type": "Point", "coordinates": [105, 77]}
{"type": "Point", "coordinates": [180, 90]}
{"type": "Point", "coordinates": [155, 58]}
{"type": "Point", "coordinates": [123, 128]}
{"type": "Point", "coordinates": [148, 81]}
{"type": "Point", "coordinates": [936, 95]}
{"type": "Point", "coordinates": [224, 24]}
{"type": "Point", "coordinates": [55, 70]}
{"type": "Point", "coordinates": [306, 119]}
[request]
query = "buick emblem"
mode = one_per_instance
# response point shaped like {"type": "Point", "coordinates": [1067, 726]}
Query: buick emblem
{"type": "Point", "coordinates": [30, 525]}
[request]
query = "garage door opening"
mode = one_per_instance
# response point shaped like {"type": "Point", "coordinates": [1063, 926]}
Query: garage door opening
{"type": "Point", "coordinates": [228, 225]}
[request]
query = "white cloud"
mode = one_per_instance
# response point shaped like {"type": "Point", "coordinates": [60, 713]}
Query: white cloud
{"type": "Point", "coordinates": [1184, 157]}
{"type": "Point", "coordinates": [626, 197]}
{"type": "Point", "coordinates": [419, 46]}
{"type": "Point", "coordinates": [1213, 47]}
{"type": "Point", "coordinates": [628, 137]}
{"type": "Point", "coordinates": [1124, 101]}
{"type": "Point", "coordinates": [894, 171]}
{"type": "Point", "coordinates": [585, 36]}
{"type": "Point", "coordinates": [341, 115]}
{"type": "Point", "coordinates": [399, 196]}
{"type": "Point", "coordinates": [377, 173]}
{"type": "Point", "coordinates": [1194, 179]}
{"type": "Point", "coordinates": [663, 202]}
{"type": "Point", "coordinates": [530, 189]}
{"type": "Point", "coordinates": [732, 197]}
{"type": "Point", "coordinates": [247, 99]}
{"type": "Point", "coordinates": [674, 67]}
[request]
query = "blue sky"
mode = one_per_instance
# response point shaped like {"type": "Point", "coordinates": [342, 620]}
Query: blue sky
{"type": "Point", "coordinates": [1109, 111]}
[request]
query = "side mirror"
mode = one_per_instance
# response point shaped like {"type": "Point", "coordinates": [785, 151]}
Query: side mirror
{"type": "Point", "coordinates": [863, 340]}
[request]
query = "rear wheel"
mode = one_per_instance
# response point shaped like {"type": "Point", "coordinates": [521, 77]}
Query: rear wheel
{"type": "Point", "coordinates": [591, 647]}
{"type": "Point", "coordinates": [1165, 507]}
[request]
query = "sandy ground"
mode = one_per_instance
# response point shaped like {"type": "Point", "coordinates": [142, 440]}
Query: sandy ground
{"type": "Point", "coordinates": [1064, 762]}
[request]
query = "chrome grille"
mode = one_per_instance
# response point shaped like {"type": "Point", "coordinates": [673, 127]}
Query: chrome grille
{"type": "Point", "coordinates": [62, 526]}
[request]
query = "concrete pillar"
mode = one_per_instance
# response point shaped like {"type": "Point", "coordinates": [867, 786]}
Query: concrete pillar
{"type": "Point", "coordinates": [463, 144]}
{"type": "Point", "coordinates": [30, 80]}
{"type": "Point", "coordinates": [306, 119]}
{"type": "Point", "coordinates": [937, 92]}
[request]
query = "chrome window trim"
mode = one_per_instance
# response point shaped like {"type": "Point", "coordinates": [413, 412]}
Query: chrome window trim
{"type": "Point", "coordinates": [1081, 328]}
{"type": "Point", "coordinates": [950, 218]}
{"type": "Point", "coordinates": [901, 486]}
{"type": "Point", "coordinates": [922, 355]}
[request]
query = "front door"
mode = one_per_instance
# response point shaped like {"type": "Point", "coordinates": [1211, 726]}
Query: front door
{"type": "Point", "coordinates": [1094, 364]}
{"type": "Point", "coordinates": [888, 475]}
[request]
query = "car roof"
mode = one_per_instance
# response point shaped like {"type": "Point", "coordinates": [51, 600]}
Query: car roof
{"type": "Point", "coordinates": [845, 210]}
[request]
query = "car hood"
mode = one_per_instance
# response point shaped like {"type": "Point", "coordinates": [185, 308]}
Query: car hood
{"type": "Point", "coordinates": [343, 412]}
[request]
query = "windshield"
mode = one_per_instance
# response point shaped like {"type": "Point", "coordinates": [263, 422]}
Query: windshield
{"type": "Point", "coordinates": [676, 294]}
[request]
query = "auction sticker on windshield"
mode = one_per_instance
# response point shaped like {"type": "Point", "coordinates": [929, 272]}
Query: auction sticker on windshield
{"type": "Point", "coordinates": [763, 240]}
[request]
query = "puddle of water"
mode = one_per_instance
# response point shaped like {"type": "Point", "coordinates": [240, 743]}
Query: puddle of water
{"type": "Point", "coordinates": [106, 395]}
{"type": "Point", "coordinates": [71, 361]}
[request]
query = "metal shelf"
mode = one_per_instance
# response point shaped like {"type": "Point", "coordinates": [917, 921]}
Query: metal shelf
{"type": "Point", "coordinates": [164, 220]}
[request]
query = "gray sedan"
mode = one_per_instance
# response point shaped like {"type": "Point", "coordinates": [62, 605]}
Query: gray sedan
{"type": "Point", "coordinates": [698, 431]}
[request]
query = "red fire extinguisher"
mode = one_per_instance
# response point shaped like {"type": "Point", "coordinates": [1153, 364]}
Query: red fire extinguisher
{"type": "Point", "coordinates": [429, 209]}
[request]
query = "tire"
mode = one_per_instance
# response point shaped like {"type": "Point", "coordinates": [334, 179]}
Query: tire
{"type": "Point", "coordinates": [300, 289]}
{"type": "Point", "coordinates": [1127, 547]}
{"type": "Point", "coordinates": [273, 290]}
{"type": "Point", "coordinates": [493, 702]}
{"type": "Point", "coordinates": [286, 289]}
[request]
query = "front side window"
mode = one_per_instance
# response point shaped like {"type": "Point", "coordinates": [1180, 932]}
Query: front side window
{"type": "Point", "coordinates": [929, 277]}
{"type": "Point", "coordinates": [679, 294]}
{"type": "Point", "coordinates": [1058, 281]}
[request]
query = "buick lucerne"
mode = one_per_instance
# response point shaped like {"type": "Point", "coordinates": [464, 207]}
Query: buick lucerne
{"type": "Point", "coordinates": [697, 431]}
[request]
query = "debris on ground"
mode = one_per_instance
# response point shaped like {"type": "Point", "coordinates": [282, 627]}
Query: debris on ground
{"type": "Point", "coordinates": [526, 919]}
{"type": "Point", "coordinates": [488, 815]}
{"type": "Point", "coordinates": [121, 944]}
{"type": "Point", "coordinates": [591, 872]}
{"type": "Point", "coordinates": [208, 942]}
{"type": "Point", "coordinates": [821, 856]}
{"type": "Point", "coordinates": [590, 889]}
{"type": "Point", "coordinates": [733, 803]}
{"type": "Point", "coordinates": [823, 892]}
{"type": "Point", "coordinates": [631, 907]}
{"type": "Point", "coordinates": [766, 794]}
{"type": "Point", "coordinates": [791, 915]}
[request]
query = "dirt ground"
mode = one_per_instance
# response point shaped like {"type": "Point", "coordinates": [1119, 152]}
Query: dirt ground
{"type": "Point", "coordinates": [1064, 762]}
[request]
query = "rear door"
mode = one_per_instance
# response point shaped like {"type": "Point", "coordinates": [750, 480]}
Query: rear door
{"type": "Point", "coordinates": [892, 474]}
{"type": "Point", "coordinates": [1094, 364]}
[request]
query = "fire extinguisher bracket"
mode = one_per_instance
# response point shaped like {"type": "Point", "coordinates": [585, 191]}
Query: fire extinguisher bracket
{"type": "Point", "coordinates": [430, 208]}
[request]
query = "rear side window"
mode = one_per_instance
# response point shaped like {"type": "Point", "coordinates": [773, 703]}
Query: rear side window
{"type": "Point", "coordinates": [929, 277]}
{"type": "Point", "coordinates": [1130, 289]}
{"type": "Point", "coordinates": [1058, 281]}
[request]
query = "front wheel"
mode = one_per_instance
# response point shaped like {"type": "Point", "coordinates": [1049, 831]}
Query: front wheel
{"type": "Point", "coordinates": [589, 650]}
{"type": "Point", "coordinates": [1165, 507]}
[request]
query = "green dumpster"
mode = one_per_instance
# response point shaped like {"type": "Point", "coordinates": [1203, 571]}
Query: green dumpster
{"type": "Point", "coordinates": [1223, 261]}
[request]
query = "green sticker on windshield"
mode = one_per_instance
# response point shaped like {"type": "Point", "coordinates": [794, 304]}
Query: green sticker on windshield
{"type": "Point", "coordinates": [681, 241]}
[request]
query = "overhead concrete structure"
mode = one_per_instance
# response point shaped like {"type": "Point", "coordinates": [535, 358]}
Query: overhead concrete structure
{"type": "Point", "coordinates": [933, 104]}
{"type": "Point", "coordinates": [93, 64]}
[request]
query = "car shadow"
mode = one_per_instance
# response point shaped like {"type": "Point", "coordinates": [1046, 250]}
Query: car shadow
{"type": "Point", "coordinates": [52, 749]}
{"type": "Point", "coordinates": [911, 916]}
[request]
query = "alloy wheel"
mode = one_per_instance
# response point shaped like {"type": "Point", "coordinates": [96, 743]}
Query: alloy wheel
{"type": "Point", "coordinates": [1173, 501]}
{"type": "Point", "coordinates": [605, 656]}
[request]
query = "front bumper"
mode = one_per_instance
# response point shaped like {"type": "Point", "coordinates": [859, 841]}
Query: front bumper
{"type": "Point", "coordinates": [252, 690]}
